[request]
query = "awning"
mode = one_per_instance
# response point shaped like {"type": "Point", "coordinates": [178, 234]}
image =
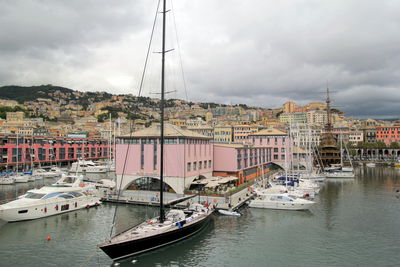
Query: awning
{"type": "Point", "coordinates": [212, 184]}
{"type": "Point", "coordinates": [225, 180]}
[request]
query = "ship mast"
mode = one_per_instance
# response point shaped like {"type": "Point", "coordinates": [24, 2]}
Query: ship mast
{"type": "Point", "coordinates": [162, 214]}
{"type": "Point", "coordinates": [328, 126]}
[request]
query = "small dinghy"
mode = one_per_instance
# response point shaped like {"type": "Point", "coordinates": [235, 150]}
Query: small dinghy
{"type": "Point", "coordinates": [229, 213]}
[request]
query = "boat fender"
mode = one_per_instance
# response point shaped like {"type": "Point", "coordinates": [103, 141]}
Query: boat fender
{"type": "Point", "coordinates": [76, 204]}
{"type": "Point", "coordinates": [45, 209]}
{"type": "Point", "coordinates": [56, 207]}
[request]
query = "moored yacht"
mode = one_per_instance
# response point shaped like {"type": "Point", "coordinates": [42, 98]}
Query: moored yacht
{"type": "Point", "coordinates": [6, 180]}
{"type": "Point", "coordinates": [53, 172]}
{"type": "Point", "coordinates": [280, 202]}
{"type": "Point", "coordinates": [88, 166]}
{"type": "Point", "coordinates": [340, 174]}
{"type": "Point", "coordinates": [65, 195]}
{"type": "Point", "coordinates": [20, 178]}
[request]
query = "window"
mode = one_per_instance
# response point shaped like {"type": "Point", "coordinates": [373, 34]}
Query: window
{"type": "Point", "coordinates": [155, 156]}
{"type": "Point", "coordinates": [50, 195]}
{"type": "Point", "coordinates": [200, 165]}
{"type": "Point", "coordinates": [276, 150]}
{"type": "Point", "coordinates": [34, 195]}
{"type": "Point", "coordinates": [275, 156]}
{"type": "Point", "coordinates": [194, 166]}
{"type": "Point", "coordinates": [75, 194]}
{"type": "Point", "coordinates": [142, 156]}
{"type": "Point", "coordinates": [66, 196]}
{"type": "Point", "coordinates": [189, 166]}
{"type": "Point", "coordinates": [209, 164]}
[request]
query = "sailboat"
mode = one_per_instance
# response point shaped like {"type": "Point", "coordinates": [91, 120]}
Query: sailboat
{"type": "Point", "coordinates": [169, 227]}
{"type": "Point", "coordinates": [341, 172]}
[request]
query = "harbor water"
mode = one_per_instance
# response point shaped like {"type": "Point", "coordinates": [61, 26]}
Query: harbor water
{"type": "Point", "coordinates": [356, 222]}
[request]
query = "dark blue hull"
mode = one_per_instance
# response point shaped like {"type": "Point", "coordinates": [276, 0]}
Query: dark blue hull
{"type": "Point", "coordinates": [136, 246]}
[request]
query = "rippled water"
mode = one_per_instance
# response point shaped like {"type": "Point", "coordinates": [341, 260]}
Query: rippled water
{"type": "Point", "coordinates": [355, 223]}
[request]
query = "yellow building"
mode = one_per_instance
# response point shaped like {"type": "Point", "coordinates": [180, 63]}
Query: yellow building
{"type": "Point", "coordinates": [177, 122]}
{"type": "Point", "coordinates": [15, 116]}
{"type": "Point", "coordinates": [289, 107]}
{"type": "Point", "coordinates": [316, 105]}
{"type": "Point", "coordinates": [209, 116]}
{"type": "Point", "coordinates": [242, 131]}
{"type": "Point", "coordinates": [223, 134]}
{"type": "Point", "coordinates": [8, 103]}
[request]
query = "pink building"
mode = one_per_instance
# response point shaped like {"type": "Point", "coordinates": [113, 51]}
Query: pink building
{"type": "Point", "coordinates": [245, 162]}
{"type": "Point", "coordinates": [187, 155]}
{"type": "Point", "coordinates": [273, 138]}
{"type": "Point", "coordinates": [48, 150]}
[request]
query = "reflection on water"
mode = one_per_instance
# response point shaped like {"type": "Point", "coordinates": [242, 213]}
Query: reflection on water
{"type": "Point", "coordinates": [354, 223]}
{"type": "Point", "coordinates": [11, 192]}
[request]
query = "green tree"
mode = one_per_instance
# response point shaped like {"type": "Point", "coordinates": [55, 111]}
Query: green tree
{"type": "Point", "coordinates": [380, 144]}
{"type": "Point", "coordinates": [394, 145]}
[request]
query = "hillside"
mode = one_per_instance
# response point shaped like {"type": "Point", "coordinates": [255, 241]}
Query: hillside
{"type": "Point", "coordinates": [29, 93]}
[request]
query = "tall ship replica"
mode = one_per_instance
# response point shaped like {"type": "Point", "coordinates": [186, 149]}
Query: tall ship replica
{"type": "Point", "coordinates": [328, 151]}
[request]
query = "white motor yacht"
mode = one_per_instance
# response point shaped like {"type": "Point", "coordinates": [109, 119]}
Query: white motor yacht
{"type": "Point", "coordinates": [87, 166]}
{"type": "Point", "coordinates": [20, 178]}
{"type": "Point", "coordinates": [52, 173]}
{"type": "Point", "coordinates": [67, 194]}
{"type": "Point", "coordinates": [280, 202]}
{"type": "Point", "coordinates": [281, 189]}
{"type": "Point", "coordinates": [347, 169]}
{"type": "Point", "coordinates": [340, 174]}
{"type": "Point", "coordinates": [7, 180]}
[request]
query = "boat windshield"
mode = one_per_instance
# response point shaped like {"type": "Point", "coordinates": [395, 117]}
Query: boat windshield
{"type": "Point", "coordinates": [33, 195]}
{"type": "Point", "coordinates": [54, 194]}
{"type": "Point", "coordinates": [281, 198]}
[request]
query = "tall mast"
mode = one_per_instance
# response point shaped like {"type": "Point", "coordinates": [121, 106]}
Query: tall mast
{"type": "Point", "coordinates": [328, 111]}
{"type": "Point", "coordinates": [162, 215]}
{"type": "Point", "coordinates": [17, 152]}
{"type": "Point", "coordinates": [109, 143]}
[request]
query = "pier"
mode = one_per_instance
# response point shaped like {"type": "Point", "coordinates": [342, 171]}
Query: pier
{"type": "Point", "coordinates": [232, 203]}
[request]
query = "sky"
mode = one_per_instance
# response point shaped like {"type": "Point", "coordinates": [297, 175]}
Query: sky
{"type": "Point", "coordinates": [259, 52]}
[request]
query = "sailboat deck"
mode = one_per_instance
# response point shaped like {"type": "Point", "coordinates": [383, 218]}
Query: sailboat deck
{"type": "Point", "coordinates": [154, 227]}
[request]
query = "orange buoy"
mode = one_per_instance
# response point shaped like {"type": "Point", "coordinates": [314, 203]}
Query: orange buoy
{"type": "Point", "coordinates": [48, 238]}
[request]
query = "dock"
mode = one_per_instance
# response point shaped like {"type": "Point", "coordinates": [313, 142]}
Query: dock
{"type": "Point", "coordinates": [231, 203]}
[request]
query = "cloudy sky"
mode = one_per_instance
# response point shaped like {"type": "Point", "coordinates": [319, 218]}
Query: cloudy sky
{"type": "Point", "coordinates": [258, 52]}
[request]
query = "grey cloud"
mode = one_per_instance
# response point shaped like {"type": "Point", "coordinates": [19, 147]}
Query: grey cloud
{"type": "Point", "coordinates": [253, 52]}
